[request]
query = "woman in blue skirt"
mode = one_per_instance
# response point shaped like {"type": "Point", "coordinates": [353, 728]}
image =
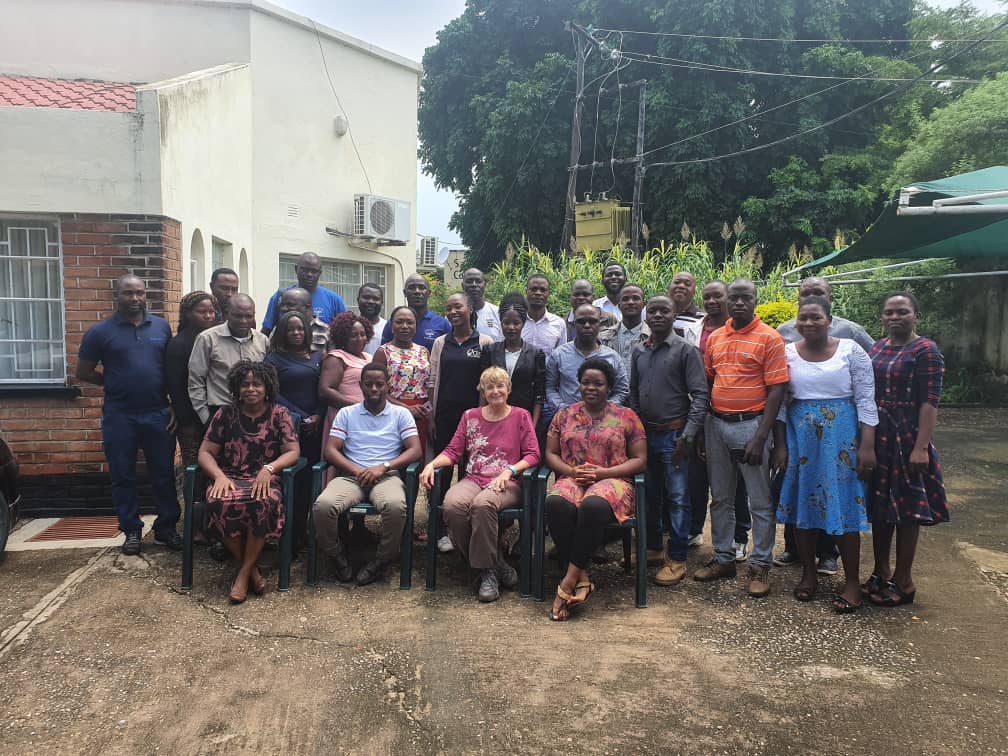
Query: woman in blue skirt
{"type": "Point", "coordinates": [830, 425]}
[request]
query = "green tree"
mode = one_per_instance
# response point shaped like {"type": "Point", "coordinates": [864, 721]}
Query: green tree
{"type": "Point", "coordinates": [966, 135]}
{"type": "Point", "coordinates": [497, 100]}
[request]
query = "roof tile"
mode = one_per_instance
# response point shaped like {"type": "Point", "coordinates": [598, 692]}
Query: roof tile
{"type": "Point", "coordinates": [75, 94]}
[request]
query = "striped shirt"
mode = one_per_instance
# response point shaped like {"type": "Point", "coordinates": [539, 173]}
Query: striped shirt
{"type": "Point", "coordinates": [742, 363]}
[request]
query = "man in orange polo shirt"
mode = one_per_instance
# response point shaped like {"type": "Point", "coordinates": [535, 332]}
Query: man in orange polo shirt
{"type": "Point", "coordinates": [746, 364]}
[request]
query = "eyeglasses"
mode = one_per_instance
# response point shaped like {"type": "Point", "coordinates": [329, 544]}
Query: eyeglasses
{"type": "Point", "coordinates": [586, 321]}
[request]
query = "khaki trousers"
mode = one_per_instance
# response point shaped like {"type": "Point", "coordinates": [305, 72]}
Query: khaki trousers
{"type": "Point", "coordinates": [470, 512]}
{"type": "Point", "coordinates": [388, 496]}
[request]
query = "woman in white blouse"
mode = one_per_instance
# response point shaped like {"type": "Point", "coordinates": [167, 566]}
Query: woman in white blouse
{"type": "Point", "coordinates": [830, 450]}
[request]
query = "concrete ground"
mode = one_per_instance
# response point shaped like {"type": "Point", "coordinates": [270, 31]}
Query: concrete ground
{"type": "Point", "coordinates": [102, 653]}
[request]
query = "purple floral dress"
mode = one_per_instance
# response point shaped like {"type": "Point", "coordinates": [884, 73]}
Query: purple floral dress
{"type": "Point", "coordinates": [242, 456]}
{"type": "Point", "coordinates": [603, 442]}
{"type": "Point", "coordinates": [905, 378]}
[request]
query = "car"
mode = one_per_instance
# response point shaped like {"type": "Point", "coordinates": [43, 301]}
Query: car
{"type": "Point", "coordinates": [10, 493]}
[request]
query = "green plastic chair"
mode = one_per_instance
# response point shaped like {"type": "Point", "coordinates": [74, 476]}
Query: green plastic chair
{"type": "Point", "coordinates": [286, 535]}
{"type": "Point", "coordinates": [637, 524]}
{"type": "Point", "coordinates": [411, 480]}
{"type": "Point", "coordinates": [523, 514]}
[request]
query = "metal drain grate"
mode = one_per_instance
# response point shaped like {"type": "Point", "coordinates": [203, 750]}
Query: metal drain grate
{"type": "Point", "coordinates": [79, 529]}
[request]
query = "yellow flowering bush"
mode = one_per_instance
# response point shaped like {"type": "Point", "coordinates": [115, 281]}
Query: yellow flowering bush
{"type": "Point", "coordinates": [776, 312]}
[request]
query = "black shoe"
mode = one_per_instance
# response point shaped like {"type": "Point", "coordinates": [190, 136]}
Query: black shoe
{"type": "Point", "coordinates": [169, 539]}
{"type": "Point", "coordinates": [131, 546]}
{"type": "Point", "coordinates": [219, 552]}
{"type": "Point", "coordinates": [373, 570]}
{"type": "Point", "coordinates": [341, 565]}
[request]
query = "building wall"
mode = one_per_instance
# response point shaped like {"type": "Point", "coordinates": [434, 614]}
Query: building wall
{"type": "Point", "coordinates": [206, 160]}
{"type": "Point", "coordinates": [82, 161]}
{"type": "Point", "coordinates": [299, 160]}
{"type": "Point", "coordinates": [57, 440]}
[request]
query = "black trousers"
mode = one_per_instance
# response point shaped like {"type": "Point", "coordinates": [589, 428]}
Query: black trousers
{"type": "Point", "coordinates": [578, 531]}
{"type": "Point", "coordinates": [825, 547]}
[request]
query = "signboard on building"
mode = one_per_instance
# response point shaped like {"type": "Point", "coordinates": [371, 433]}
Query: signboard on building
{"type": "Point", "coordinates": [453, 267]}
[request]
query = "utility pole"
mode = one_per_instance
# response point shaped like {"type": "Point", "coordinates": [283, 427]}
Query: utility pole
{"type": "Point", "coordinates": [575, 154]}
{"type": "Point", "coordinates": [575, 150]}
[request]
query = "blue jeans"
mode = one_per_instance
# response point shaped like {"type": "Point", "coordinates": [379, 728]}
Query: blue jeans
{"type": "Point", "coordinates": [124, 433]}
{"type": "Point", "coordinates": [668, 495]}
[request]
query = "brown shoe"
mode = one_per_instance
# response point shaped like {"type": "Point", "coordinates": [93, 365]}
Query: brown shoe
{"type": "Point", "coordinates": [671, 573]}
{"type": "Point", "coordinates": [715, 570]}
{"type": "Point", "coordinates": [759, 581]}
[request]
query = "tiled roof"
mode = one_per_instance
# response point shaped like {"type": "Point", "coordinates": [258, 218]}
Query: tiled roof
{"type": "Point", "coordinates": [76, 94]}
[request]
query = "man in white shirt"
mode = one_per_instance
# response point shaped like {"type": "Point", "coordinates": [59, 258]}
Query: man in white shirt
{"type": "Point", "coordinates": [487, 317]}
{"type": "Point", "coordinates": [543, 329]}
{"type": "Point", "coordinates": [369, 303]}
{"type": "Point", "coordinates": [368, 444]}
{"type": "Point", "coordinates": [613, 281]}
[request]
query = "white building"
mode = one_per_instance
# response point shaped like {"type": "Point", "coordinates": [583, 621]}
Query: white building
{"type": "Point", "coordinates": [234, 135]}
{"type": "Point", "coordinates": [166, 138]}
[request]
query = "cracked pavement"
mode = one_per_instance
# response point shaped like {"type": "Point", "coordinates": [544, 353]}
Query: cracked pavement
{"type": "Point", "coordinates": [119, 660]}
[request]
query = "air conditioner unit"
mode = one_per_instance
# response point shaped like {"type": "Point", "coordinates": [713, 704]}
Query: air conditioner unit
{"type": "Point", "coordinates": [428, 252]}
{"type": "Point", "coordinates": [381, 218]}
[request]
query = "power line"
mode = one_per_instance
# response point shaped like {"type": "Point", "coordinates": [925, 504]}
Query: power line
{"type": "Point", "coordinates": [658, 60]}
{"type": "Point", "coordinates": [896, 90]}
{"type": "Point", "coordinates": [318, 38]}
{"type": "Point", "coordinates": [759, 116]}
{"type": "Point", "coordinates": [787, 40]}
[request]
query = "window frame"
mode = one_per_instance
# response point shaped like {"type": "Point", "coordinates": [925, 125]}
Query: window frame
{"type": "Point", "coordinates": [286, 277]}
{"type": "Point", "coordinates": [43, 223]}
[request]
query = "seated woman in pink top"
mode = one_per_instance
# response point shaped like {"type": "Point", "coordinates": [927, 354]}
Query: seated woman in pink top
{"type": "Point", "coordinates": [499, 442]}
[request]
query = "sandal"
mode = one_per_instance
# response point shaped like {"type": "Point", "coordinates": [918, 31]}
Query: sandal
{"type": "Point", "coordinates": [584, 584]}
{"type": "Point", "coordinates": [843, 606]}
{"type": "Point", "coordinates": [805, 594]}
{"type": "Point", "coordinates": [892, 596]}
{"type": "Point", "coordinates": [236, 596]}
{"type": "Point", "coordinates": [257, 583]}
{"type": "Point", "coordinates": [873, 584]}
{"type": "Point", "coordinates": [556, 617]}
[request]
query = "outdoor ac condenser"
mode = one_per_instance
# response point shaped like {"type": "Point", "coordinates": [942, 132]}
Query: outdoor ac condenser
{"type": "Point", "coordinates": [381, 218]}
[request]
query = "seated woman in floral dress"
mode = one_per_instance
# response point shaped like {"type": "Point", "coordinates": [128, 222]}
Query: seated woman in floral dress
{"type": "Point", "coordinates": [595, 448]}
{"type": "Point", "coordinates": [246, 447]}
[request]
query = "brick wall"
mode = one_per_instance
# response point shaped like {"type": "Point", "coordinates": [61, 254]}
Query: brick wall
{"type": "Point", "coordinates": [58, 440]}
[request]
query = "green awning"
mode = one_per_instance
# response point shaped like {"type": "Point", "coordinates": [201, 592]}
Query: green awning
{"type": "Point", "coordinates": [930, 236]}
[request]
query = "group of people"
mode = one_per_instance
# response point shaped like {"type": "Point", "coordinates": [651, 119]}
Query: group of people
{"type": "Point", "coordinates": [814, 424]}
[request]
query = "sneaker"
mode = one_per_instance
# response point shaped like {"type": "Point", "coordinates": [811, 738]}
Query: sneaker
{"type": "Point", "coordinates": [489, 589]}
{"type": "Point", "coordinates": [696, 540]}
{"type": "Point", "coordinates": [373, 570]}
{"type": "Point", "coordinates": [131, 546]}
{"type": "Point", "coordinates": [759, 581]}
{"type": "Point", "coordinates": [671, 573]}
{"type": "Point", "coordinates": [169, 539]}
{"type": "Point", "coordinates": [445, 545]}
{"type": "Point", "coordinates": [827, 566]}
{"type": "Point", "coordinates": [715, 570]}
{"type": "Point", "coordinates": [785, 559]}
{"type": "Point", "coordinates": [741, 551]}
{"type": "Point", "coordinates": [506, 574]}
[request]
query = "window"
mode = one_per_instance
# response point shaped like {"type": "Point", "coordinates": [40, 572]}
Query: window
{"type": "Point", "coordinates": [341, 276]}
{"type": "Point", "coordinates": [221, 253]}
{"type": "Point", "coordinates": [32, 342]}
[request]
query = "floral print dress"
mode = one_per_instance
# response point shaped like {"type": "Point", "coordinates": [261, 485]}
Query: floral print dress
{"type": "Point", "coordinates": [604, 442]}
{"type": "Point", "coordinates": [243, 454]}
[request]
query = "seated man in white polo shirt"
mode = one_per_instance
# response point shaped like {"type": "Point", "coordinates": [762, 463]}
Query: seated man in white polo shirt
{"type": "Point", "coordinates": [368, 444]}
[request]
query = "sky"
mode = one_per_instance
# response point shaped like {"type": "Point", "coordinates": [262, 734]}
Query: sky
{"type": "Point", "coordinates": [408, 27]}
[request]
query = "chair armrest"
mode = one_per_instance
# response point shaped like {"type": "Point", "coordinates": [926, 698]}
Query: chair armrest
{"type": "Point", "coordinates": [530, 474]}
{"type": "Point", "coordinates": [638, 479]}
{"type": "Point", "coordinates": [542, 472]}
{"type": "Point", "coordinates": [299, 465]}
{"type": "Point", "coordinates": [191, 469]}
{"type": "Point", "coordinates": [413, 468]}
{"type": "Point", "coordinates": [442, 475]}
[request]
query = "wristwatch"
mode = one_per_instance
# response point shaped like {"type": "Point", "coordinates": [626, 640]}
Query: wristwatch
{"type": "Point", "coordinates": [269, 466]}
{"type": "Point", "coordinates": [514, 471]}
{"type": "Point", "coordinates": [387, 466]}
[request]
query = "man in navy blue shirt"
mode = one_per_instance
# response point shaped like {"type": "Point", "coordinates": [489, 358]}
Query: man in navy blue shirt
{"type": "Point", "coordinates": [130, 347]}
{"type": "Point", "coordinates": [326, 303]}
{"type": "Point", "coordinates": [429, 325]}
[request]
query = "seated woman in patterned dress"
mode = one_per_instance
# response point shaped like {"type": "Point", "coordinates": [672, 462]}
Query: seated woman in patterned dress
{"type": "Point", "coordinates": [246, 446]}
{"type": "Point", "coordinates": [830, 451]}
{"type": "Point", "coordinates": [499, 443]}
{"type": "Point", "coordinates": [595, 448]}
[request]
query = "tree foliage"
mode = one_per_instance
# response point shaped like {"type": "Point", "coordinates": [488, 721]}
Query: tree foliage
{"type": "Point", "coordinates": [498, 97]}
